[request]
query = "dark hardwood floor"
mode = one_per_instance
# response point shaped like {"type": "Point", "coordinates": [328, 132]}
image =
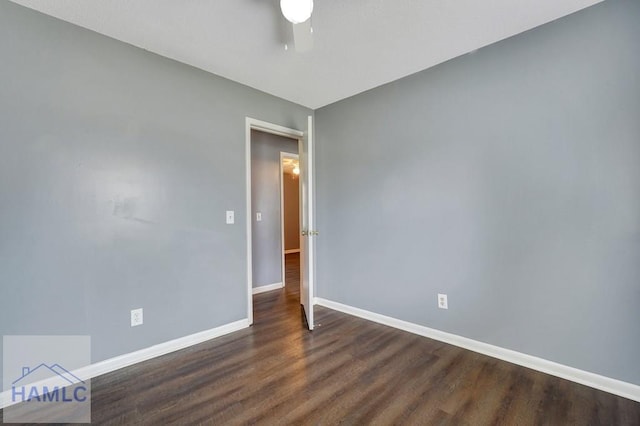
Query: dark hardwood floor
{"type": "Point", "coordinates": [348, 371]}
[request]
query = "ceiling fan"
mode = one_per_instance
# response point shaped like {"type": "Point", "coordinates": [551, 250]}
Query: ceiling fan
{"type": "Point", "coordinates": [298, 12]}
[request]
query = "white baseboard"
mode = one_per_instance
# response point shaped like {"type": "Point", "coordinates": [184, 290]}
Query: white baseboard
{"type": "Point", "coordinates": [268, 287]}
{"type": "Point", "coordinates": [116, 363]}
{"type": "Point", "coordinates": [292, 251]}
{"type": "Point", "coordinates": [614, 386]}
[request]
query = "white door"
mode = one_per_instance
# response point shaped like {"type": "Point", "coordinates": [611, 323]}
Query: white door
{"type": "Point", "coordinates": [306, 223]}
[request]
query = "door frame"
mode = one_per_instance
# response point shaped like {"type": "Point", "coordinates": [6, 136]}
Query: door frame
{"type": "Point", "coordinates": [284, 155]}
{"type": "Point", "coordinates": [274, 129]}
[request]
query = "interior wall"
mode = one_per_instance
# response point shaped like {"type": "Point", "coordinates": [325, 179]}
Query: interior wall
{"type": "Point", "coordinates": [508, 179]}
{"type": "Point", "coordinates": [291, 190]}
{"type": "Point", "coordinates": [265, 198]}
{"type": "Point", "coordinates": [116, 169]}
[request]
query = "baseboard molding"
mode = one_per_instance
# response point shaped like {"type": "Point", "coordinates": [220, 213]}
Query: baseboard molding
{"type": "Point", "coordinates": [292, 251]}
{"type": "Point", "coordinates": [126, 360]}
{"type": "Point", "coordinates": [268, 287]}
{"type": "Point", "coordinates": [614, 386]}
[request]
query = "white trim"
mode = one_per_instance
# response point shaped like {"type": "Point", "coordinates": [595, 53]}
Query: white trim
{"type": "Point", "coordinates": [249, 220]}
{"type": "Point", "coordinates": [607, 384]}
{"type": "Point", "coordinates": [291, 251]}
{"type": "Point", "coordinates": [268, 287]}
{"type": "Point", "coordinates": [274, 129]}
{"type": "Point", "coordinates": [126, 360]}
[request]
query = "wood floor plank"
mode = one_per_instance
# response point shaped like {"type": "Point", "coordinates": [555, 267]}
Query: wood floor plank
{"type": "Point", "coordinates": [347, 371]}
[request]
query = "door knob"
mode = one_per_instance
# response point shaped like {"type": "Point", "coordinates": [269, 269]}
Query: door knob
{"type": "Point", "coordinates": [305, 233]}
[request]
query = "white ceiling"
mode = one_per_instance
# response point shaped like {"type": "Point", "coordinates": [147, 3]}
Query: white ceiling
{"type": "Point", "coordinates": [359, 44]}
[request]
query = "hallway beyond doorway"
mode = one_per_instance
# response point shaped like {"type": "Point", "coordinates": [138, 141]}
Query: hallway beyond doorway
{"type": "Point", "coordinates": [284, 301]}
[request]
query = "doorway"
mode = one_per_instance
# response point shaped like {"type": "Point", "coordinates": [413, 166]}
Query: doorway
{"type": "Point", "coordinates": [305, 152]}
{"type": "Point", "coordinates": [290, 213]}
{"type": "Point", "coordinates": [267, 151]}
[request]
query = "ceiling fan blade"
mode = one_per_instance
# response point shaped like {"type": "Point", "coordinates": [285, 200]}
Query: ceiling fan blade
{"type": "Point", "coordinates": [303, 36]}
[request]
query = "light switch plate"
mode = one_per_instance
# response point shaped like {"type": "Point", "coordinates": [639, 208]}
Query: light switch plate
{"type": "Point", "coordinates": [258, 217]}
{"type": "Point", "coordinates": [230, 217]}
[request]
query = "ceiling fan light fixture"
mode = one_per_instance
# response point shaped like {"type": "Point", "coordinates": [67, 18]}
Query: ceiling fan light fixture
{"type": "Point", "coordinates": [296, 11]}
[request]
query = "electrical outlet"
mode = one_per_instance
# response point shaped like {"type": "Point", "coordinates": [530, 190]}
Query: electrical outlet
{"type": "Point", "coordinates": [136, 317]}
{"type": "Point", "coordinates": [442, 301]}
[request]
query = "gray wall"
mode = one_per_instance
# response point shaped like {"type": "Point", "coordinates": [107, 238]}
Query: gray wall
{"type": "Point", "coordinates": [510, 180]}
{"type": "Point", "coordinates": [291, 189]}
{"type": "Point", "coordinates": [265, 198]}
{"type": "Point", "coordinates": [116, 169]}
